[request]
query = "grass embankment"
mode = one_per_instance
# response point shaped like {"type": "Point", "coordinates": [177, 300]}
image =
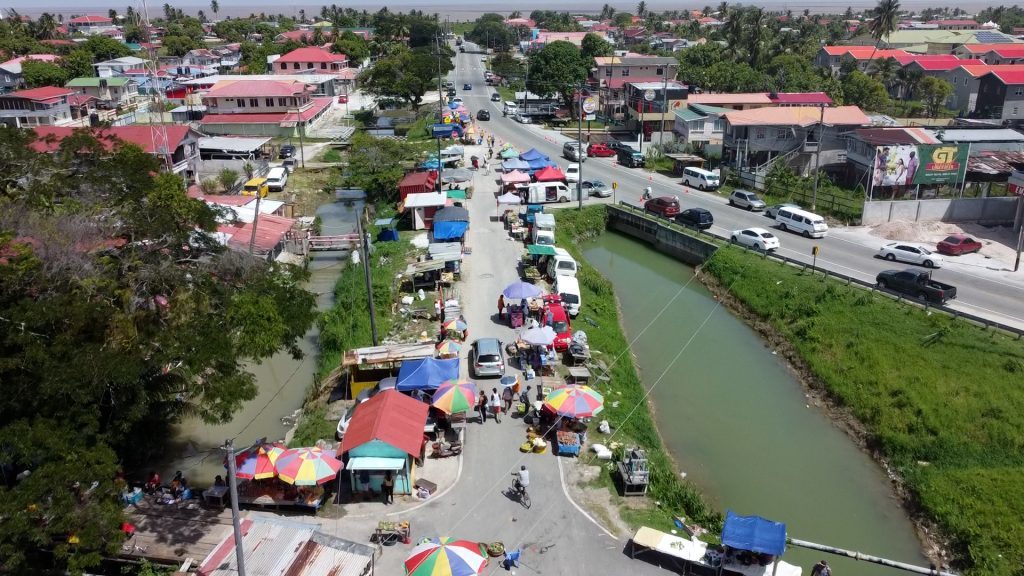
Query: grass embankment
{"type": "Point", "coordinates": [625, 390]}
{"type": "Point", "coordinates": [347, 326]}
{"type": "Point", "coordinates": [940, 400]}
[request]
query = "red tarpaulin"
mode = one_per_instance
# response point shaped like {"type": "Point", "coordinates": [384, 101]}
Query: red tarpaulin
{"type": "Point", "coordinates": [549, 174]}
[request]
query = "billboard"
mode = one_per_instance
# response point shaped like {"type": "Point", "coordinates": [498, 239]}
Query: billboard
{"type": "Point", "coordinates": [908, 165]}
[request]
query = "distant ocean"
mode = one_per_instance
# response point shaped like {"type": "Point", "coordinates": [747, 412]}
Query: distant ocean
{"type": "Point", "coordinates": [454, 10]}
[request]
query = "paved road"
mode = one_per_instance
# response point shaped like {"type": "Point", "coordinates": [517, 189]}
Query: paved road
{"type": "Point", "coordinates": [995, 294]}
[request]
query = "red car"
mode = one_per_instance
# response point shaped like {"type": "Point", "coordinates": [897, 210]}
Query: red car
{"type": "Point", "coordinates": [958, 244]}
{"type": "Point", "coordinates": [555, 316]}
{"type": "Point", "coordinates": [667, 206]}
{"type": "Point", "coordinates": [343, 99]}
{"type": "Point", "coordinates": [600, 150]}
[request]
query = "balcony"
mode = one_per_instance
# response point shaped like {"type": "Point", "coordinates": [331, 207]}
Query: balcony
{"type": "Point", "coordinates": [811, 146]}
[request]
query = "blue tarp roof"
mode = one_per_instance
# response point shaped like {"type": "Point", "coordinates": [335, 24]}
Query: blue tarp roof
{"type": "Point", "coordinates": [533, 154]}
{"type": "Point", "coordinates": [445, 130]}
{"type": "Point", "coordinates": [538, 163]}
{"type": "Point", "coordinates": [426, 373]}
{"type": "Point", "coordinates": [515, 164]}
{"type": "Point", "coordinates": [452, 230]}
{"type": "Point", "coordinates": [753, 533]}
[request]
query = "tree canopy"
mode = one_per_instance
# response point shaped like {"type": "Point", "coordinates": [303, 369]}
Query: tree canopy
{"type": "Point", "coordinates": [593, 45]}
{"type": "Point", "coordinates": [934, 93]}
{"type": "Point", "coordinates": [121, 314]}
{"type": "Point", "coordinates": [38, 73]}
{"type": "Point", "coordinates": [859, 89]}
{"type": "Point", "coordinates": [557, 68]}
{"type": "Point", "coordinates": [406, 74]}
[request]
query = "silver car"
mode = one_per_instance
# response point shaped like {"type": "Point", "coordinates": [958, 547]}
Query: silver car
{"type": "Point", "coordinates": [596, 188]}
{"type": "Point", "coordinates": [487, 358]}
{"type": "Point", "coordinates": [746, 199]}
{"type": "Point", "coordinates": [773, 210]}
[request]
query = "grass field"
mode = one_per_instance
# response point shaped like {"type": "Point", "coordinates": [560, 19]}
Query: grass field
{"type": "Point", "coordinates": [941, 399]}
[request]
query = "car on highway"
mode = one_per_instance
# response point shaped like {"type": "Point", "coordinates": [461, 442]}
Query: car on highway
{"type": "Point", "coordinates": [483, 115]}
{"type": "Point", "coordinates": [667, 206]}
{"type": "Point", "coordinates": [600, 150]}
{"type": "Point", "coordinates": [773, 210]}
{"type": "Point", "coordinates": [596, 188]}
{"type": "Point", "coordinates": [467, 86]}
{"type": "Point", "coordinates": [757, 238]}
{"type": "Point", "coordinates": [487, 358]}
{"type": "Point", "coordinates": [495, 97]}
{"type": "Point", "coordinates": [696, 218]}
{"type": "Point", "coordinates": [700, 179]}
{"type": "Point", "coordinates": [572, 173]}
{"type": "Point", "coordinates": [522, 119]}
{"type": "Point", "coordinates": [746, 199]}
{"type": "Point", "coordinates": [343, 99]}
{"type": "Point", "coordinates": [457, 100]}
{"type": "Point", "coordinates": [916, 283]}
{"type": "Point", "coordinates": [287, 151]}
{"type": "Point", "coordinates": [911, 253]}
{"type": "Point", "coordinates": [957, 244]}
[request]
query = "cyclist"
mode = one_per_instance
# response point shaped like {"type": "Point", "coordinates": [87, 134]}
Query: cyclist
{"type": "Point", "coordinates": [522, 479]}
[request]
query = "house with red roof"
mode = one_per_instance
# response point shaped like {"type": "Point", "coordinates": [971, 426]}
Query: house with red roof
{"type": "Point", "coordinates": [302, 36]}
{"type": "Point", "coordinates": [90, 24]}
{"type": "Point", "coordinates": [182, 142]}
{"type": "Point", "coordinates": [520, 23]}
{"type": "Point", "coordinates": [385, 434]}
{"type": "Point", "coordinates": [45, 106]}
{"type": "Point", "coordinates": [612, 73]}
{"type": "Point", "coordinates": [1001, 95]}
{"type": "Point", "coordinates": [270, 238]}
{"type": "Point", "coordinates": [966, 80]}
{"type": "Point", "coordinates": [832, 57]}
{"type": "Point", "coordinates": [955, 24]}
{"type": "Point", "coordinates": [993, 53]}
{"type": "Point", "coordinates": [262, 107]}
{"type": "Point", "coordinates": [10, 71]}
{"type": "Point", "coordinates": [310, 60]}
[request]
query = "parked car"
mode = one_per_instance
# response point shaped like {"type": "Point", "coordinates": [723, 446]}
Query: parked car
{"type": "Point", "coordinates": [617, 145]}
{"type": "Point", "coordinates": [957, 244]}
{"type": "Point", "coordinates": [572, 173]}
{"type": "Point", "coordinates": [916, 283]}
{"type": "Point", "coordinates": [700, 179]}
{"type": "Point", "coordinates": [630, 158]}
{"type": "Point", "coordinates": [560, 324]}
{"type": "Point", "coordinates": [277, 178]}
{"type": "Point", "coordinates": [343, 99]}
{"type": "Point", "coordinates": [596, 188]}
{"type": "Point", "coordinates": [344, 420]}
{"type": "Point", "coordinates": [521, 119]}
{"type": "Point", "coordinates": [757, 238]}
{"type": "Point", "coordinates": [600, 150]}
{"type": "Point", "coordinates": [571, 150]}
{"type": "Point", "coordinates": [696, 218]}
{"type": "Point", "coordinates": [467, 86]}
{"type": "Point", "coordinates": [745, 199]}
{"type": "Point", "coordinates": [910, 253]}
{"type": "Point", "coordinates": [457, 100]}
{"type": "Point", "coordinates": [495, 97]}
{"type": "Point", "coordinates": [667, 206]}
{"type": "Point", "coordinates": [773, 210]}
{"type": "Point", "coordinates": [287, 151]}
{"type": "Point", "coordinates": [487, 358]}
{"type": "Point", "coordinates": [483, 115]}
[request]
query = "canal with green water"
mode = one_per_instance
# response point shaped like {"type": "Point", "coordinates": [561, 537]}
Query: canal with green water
{"type": "Point", "coordinates": [735, 418]}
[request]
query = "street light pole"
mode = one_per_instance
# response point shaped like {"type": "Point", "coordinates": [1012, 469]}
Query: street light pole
{"type": "Point", "coordinates": [664, 111]}
{"type": "Point", "coordinates": [364, 249]}
{"type": "Point", "coordinates": [817, 156]}
{"type": "Point", "coordinates": [236, 522]}
{"type": "Point", "coordinates": [579, 146]}
{"type": "Point", "coordinates": [440, 119]}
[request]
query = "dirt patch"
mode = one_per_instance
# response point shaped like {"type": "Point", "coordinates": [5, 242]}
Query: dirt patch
{"type": "Point", "coordinates": [1000, 241]}
{"type": "Point", "coordinates": [934, 545]}
{"type": "Point", "coordinates": [598, 501]}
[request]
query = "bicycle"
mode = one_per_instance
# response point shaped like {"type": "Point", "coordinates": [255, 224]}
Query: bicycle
{"type": "Point", "coordinates": [518, 491]}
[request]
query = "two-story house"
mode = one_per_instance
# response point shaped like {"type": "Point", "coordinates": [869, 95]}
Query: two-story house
{"type": "Point", "coordinates": [45, 106]}
{"type": "Point", "coordinates": [612, 73]}
{"type": "Point", "coordinates": [201, 57]}
{"type": "Point", "coordinates": [10, 71]}
{"type": "Point", "coordinates": [700, 126]}
{"type": "Point", "coordinates": [993, 53]}
{"type": "Point", "coordinates": [650, 105]}
{"type": "Point", "coordinates": [831, 58]}
{"type": "Point", "coordinates": [115, 92]}
{"type": "Point", "coordinates": [179, 156]}
{"type": "Point", "coordinates": [1001, 95]}
{"type": "Point", "coordinates": [310, 60]}
{"type": "Point", "coordinates": [941, 68]}
{"type": "Point", "coordinates": [278, 107]}
{"type": "Point", "coordinates": [798, 136]}
{"type": "Point", "coordinates": [732, 100]}
{"type": "Point", "coordinates": [117, 66]}
{"type": "Point", "coordinates": [90, 24]}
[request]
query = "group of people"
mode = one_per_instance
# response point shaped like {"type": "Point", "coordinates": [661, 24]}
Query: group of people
{"type": "Point", "coordinates": [177, 490]}
{"type": "Point", "coordinates": [497, 403]}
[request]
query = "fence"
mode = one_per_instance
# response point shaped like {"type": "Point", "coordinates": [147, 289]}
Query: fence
{"type": "Point", "coordinates": [672, 224]}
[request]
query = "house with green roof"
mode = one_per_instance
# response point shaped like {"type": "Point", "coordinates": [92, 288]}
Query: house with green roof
{"type": "Point", "coordinates": [701, 126]}
{"type": "Point", "coordinates": [112, 92]}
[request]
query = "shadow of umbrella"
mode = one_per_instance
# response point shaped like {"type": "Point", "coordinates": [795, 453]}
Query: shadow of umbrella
{"type": "Point", "coordinates": [456, 176]}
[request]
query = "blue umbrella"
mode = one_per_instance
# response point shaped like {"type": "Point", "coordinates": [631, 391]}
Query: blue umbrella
{"type": "Point", "coordinates": [520, 290]}
{"type": "Point", "coordinates": [453, 105]}
{"type": "Point", "coordinates": [430, 165]}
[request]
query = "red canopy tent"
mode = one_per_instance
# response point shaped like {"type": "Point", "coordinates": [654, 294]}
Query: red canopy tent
{"type": "Point", "coordinates": [549, 174]}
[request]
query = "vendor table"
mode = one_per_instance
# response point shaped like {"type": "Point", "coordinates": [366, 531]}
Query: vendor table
{"type": "Point", "coordinates": [218, 493]}
{"type": "Point", "coordinates": [388, 530]}
{"type": "Point", "coordinates": [577, 355]}
{"type": "Point", "coordinates": [579, 374]}
{"type": "Point", "coordinates": [568, 443]}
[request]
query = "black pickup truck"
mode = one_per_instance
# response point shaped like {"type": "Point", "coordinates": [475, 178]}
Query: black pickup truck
{"type": "Point", "coordinates": [917, 284]}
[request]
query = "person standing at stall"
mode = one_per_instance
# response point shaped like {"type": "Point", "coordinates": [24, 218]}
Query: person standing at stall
{"type": "Point", "coordinates": [387, 488]}
{"type": "Point", "coordinates": [506, 398]}
{"type": "Point", "coordinates": [481, 406]}
{"type": "Point", "coordinates": [496, 405]}
{"type": "Point", "coordinates": [501, 306]}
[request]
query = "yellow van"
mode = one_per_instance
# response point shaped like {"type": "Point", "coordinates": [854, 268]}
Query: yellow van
{"type": "Point", "coordinates": [256, 186]}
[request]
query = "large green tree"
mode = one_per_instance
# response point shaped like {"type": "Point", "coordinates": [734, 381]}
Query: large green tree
{"type": "Point", "coordinates": [78, 64]}
{"type": "Point", "coordinates": [377, 164]}
{"type": "Point", "coordinates": [38, 73]}
{"type": "Point", "coordinates": [557, 68]}
{"type": "Point", "coordinates": [726, 77]}
{"type": "Point", "coordinates": [121, 314]}
{"type": "Point", "coordinates": [934, 92]}
{"type": "Point", "coordinates": [355, 47]}
{"type": "Point", "coordinates": [406, 75]}
{"type": "Point", "coordinates": [859, 89]}
{"type": "Point", "coordinates": [491, 32]}
{"type": "Point", "coordinates": [593, 45]}
{"type": "Point", "coordinates": [104, 48]}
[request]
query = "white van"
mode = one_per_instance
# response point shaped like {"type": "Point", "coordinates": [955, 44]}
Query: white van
{"type": "Point", "coordinates": [568, 288]}
{"type": "Point", "coordinates": [277, 178]}
{"type": "Point", "coordinates": [543, 232]}
{"type": "Point", "coordinates": [802, 222]}
{"type": "Point", "coordinates": [700, 179]}
{"type": "Point", "coordinates": [561, 264]}
{"type": "Point", "coordinates": [511, 108]}
{"type": "Point", "coordinates": [572, 151]}
{"type": "Point", "coordinates": [572, 173]}
{"type": "Point", "coordinates": [541, 192]}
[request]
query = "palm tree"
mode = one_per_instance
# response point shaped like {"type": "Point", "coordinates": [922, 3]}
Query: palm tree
{"type": "Point", "coordinates": [908, 79]}
{"type": "Point", "coordinates": [45, 27]}
{"type": "Point", "coordinates": [302, 15]}
{"type": "Point", "coordinates": [641, 9]}
{"type": "Point", "coordinates": [885, 71]}
{"type": "Point", "coordinates": [214, 7]}
{"type": "Point", "coordinates": [885, 19]}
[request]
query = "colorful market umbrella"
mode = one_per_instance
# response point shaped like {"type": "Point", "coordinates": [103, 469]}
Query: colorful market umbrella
{"type": "Point", "coordinates": [307, 466]}
{"type": "Point", "coordinates": [575, 401]}
{"type": "Point", "coordinates": [258, 463]}
{"type": "Point", "coordinates": [446, 557]}
{"type": "Point", "coordinates": [456, 324]}
{"type": "Point", "coordinates": [454, 396]}
{"type": "Point", "coordinates": [449, 347]}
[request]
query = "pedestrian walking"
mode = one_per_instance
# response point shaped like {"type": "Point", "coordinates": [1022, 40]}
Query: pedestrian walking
{"type": "Point", "coordinates": [524, 396]}
{"type": "Point", "coordinates": [501, 306]}
{"type": "Point", "coordinates": [506, 398]}
{"type": "Point", "coordinates": [496, 405]}
{"type": "Point", "coordinates": [481, 405]}
{"type": "Point", "coordinates": [387, 488]}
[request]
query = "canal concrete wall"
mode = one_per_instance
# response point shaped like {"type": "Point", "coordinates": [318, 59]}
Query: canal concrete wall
{"type": "Point", "coordinates": [663, 235]}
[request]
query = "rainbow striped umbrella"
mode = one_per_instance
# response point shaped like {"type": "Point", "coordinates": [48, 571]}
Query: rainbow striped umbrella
{"type": "Point", "coordinates": [449, 347]}
{"type": "Point", "coordinates": [575, 401]}
{"type": "Point", "coordinates": [446, 557]}
{"type": "Point", "coordinates": [258, 463]}
{"type": "Point", "coordinates": [456, 324]}
{"type": "Point", "coordinates": [455, 396]}
{"type": "Point", "coordinates": [307, 466]}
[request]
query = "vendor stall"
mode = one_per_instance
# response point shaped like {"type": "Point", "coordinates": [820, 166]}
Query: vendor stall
{"type": "Point", "coordinates": [450, 223]}
{"type": "Point", "coordinates": [422, 207]}
{"type": "Point", "coordinates": [753, 546]}
{"type": "Point", "coordinates": [427, 373]}
{"type": "Point", "coordinates": [385, 435]}
{"type": "Point", "coordinates": [417, 183]}
{"type": "Point", "coordinates": [368, 366]}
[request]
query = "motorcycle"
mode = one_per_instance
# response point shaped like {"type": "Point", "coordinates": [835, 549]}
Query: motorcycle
{"type": "Point", "coordinates": [445, 449]}
{"type": "Point", "coordinates": [646, 195]}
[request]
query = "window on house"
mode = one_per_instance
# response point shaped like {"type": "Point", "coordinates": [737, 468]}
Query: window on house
{"type": "Point", "coordinates": [284, 66]}
{"type": "Point", "coordinates": [608, 72]}
{"type": "Point", "coordinates": [781, 134]}
{"type": "Point", "coordinates": [659, 72]}
{"type": "Point", "coordinates": [309, 65]}
{"type": "Point", "coordinates": [282, 101]}
{"type": "Point", "coordinates": [295, 66]}
{"type": "Point", "coordinates": [270, 102]}
{"type": "Point", "coordinates": [719, 125]}
{"type": "Point", "coordinates": [254, 102]}
{"type": "Point", "coordinates": [625, 71]}
{"type": "Point", "coordinates": [241, 103]}
{"type": "Point", "coordinates": [759, 134]}
{"type": "Point", "coordinates": [1018, 90]}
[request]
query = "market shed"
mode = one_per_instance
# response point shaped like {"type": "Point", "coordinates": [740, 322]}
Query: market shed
{"type": "Point", "coordinates": [386, 434]}
{"type": "Point", "coordinates": [417, 183]}
{"type": "Point", "coordinates": [426, 373]}
{"type": "Point", "coordinates": [422, 206]}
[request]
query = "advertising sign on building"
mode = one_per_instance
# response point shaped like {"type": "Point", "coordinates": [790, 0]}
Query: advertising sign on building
{"type": "Point", "coordinates": [928, 164]}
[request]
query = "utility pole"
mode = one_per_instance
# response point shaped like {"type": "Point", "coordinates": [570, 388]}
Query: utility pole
{"type": "Point", "coordinates": [255, 221]}
{"type": "Point", "coordinates": [664, 112]}
{"type": "Point", "coordinates": [817, 156]}
{"type": "Point", "coordinates": [579, 145]}
{"type": "Point", "coordinates": [440, 120]}
{"type": "Point", "coordinates": [364, 249]}
{"type": "Point", "coordinates": [235, 518]}
{"type": "Point", "coordinates": [302, 142]}
{"type": "Point", "coordinates": [1020, 231]}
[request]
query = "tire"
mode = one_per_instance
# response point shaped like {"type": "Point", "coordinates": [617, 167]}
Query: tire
{"type": "Point", "coordinates": [890, 257]}
{"type": "Point", "coordinates": [750, 208]}
{"type": "Point", "coordinates": [807, 234]}
{"type": "Point", "coordinates": [733, 240]}
{"type": "Point", "coordinates": [701, 187]}
{"type": "Point", "coordinates": [922, 296]}
{"type": "Point", "coordinates": [731, 203]}
{"type": "Point", "coordinates": [563, 199]}
{"type": "Point", "coordinates": [783, 227]}
{"type": "Point", "coordinates": [524, 499]}
{"type": "Point", "coordinates": [929, 264]}
{"type": "Point", "coordinates": [760, 248]}
{"type": "Point", "coordinates": [883, 284]}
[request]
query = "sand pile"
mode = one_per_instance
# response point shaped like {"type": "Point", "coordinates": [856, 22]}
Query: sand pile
{"type": "Point", "coordinates": [1000, 241]}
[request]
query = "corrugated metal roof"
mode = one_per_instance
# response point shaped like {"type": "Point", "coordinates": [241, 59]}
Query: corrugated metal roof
{"type": "Point", "coordinates": [386, 354]}
{"type": "Point", "coordinates": [232, 144]}
{"type": "Point", "coordinates": [982, 135]}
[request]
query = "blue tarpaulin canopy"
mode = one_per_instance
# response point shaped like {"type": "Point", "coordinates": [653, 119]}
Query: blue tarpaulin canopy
{"type": "Point", "coordinates": [533, 154]}
{"type": "Point", "coordinates": [515, 164]}
{"type": "Point", "coordinates": [538, 163]}
{"type": "Point", "coordinates": [752, 533]}
{"type": "Point", "coordinates": [445, 130]}
{"type": "Point", "coordinates": [451, 230]}
{"type": "Point", "coordinates": [426, 373]}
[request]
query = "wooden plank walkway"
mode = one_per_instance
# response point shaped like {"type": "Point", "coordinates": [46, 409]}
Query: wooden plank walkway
{"type": "Point", "coordinates": [170, 534]}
